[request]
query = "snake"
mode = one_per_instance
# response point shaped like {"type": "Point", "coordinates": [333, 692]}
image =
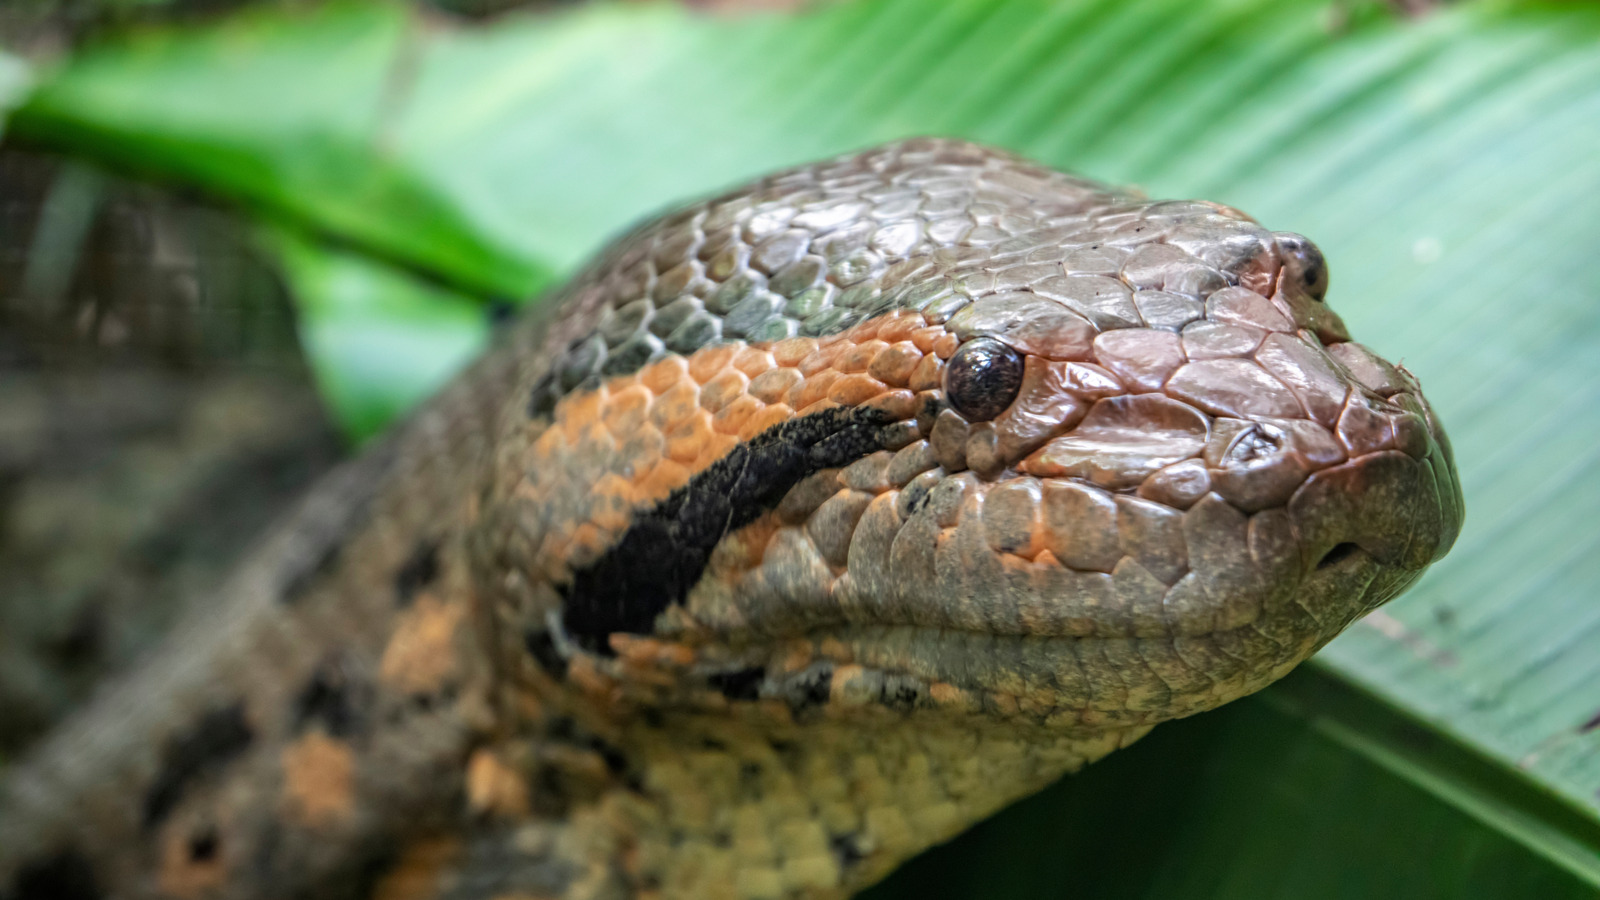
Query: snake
{"type": "Point", "coordinates": [806, 526]}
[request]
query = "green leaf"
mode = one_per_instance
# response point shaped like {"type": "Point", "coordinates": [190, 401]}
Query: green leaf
{"type": "Point", "coordinates": [292, 115]}
{"type": "Point", "coordinates": [1305, 791]}
{"type": "Point", "coordinates": [379, 340]}
{"type": "Point", "coordinates": [1447, 166]}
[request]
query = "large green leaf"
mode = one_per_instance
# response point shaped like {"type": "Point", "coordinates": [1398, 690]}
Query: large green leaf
{"type": "Point", "coordinates": [1449, 167]}
{"type": "Point", "coordinates": [1308, 790]}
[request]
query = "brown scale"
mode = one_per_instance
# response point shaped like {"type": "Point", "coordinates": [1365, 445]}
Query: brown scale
{"type": "Point", "coordinates": [927, 475]}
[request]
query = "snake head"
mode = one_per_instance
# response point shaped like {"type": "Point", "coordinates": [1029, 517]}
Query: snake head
{"type": "Point", "coordinates": [936, 428]}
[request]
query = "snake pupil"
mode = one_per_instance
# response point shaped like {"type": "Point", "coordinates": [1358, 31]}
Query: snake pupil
{"type": "Point", "coordinates": [982, 378]}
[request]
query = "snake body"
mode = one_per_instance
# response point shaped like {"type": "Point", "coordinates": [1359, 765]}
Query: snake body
{"type": "Point", "coordinates": [808, 525]}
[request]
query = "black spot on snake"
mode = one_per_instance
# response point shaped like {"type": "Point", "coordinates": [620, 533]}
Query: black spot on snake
{"type": "Point", "coordinates": [214, 740]}
{"type": "Point", "coordinates": [845, 850]}
{"type": "Point", "coordinates": [85, 640]}
{"type": "Point", "coordinates": [743, 684]}
{"type": "Point", "coordinates": [333, 698]}
{"type": "Point", "coordinates": [811, 689]}
{"type": "Point", "coordinates": [544, 396]}
{"type": "Point", "coordinates": [420, 569]}
{"type": "Point", "coordinates": [661, 556]}
{"type": "Point", "coordinates": [204, 845]}
{"type": "Point", "coordinates": [542, 647]}
{"type": "Point", "coordinates": [901, 697]}
{"type": "Point", "coordinates": [65, 876]}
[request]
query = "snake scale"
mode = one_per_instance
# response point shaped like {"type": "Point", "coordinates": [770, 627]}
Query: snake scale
{"type": "Point", "coordinates": [808, 525]}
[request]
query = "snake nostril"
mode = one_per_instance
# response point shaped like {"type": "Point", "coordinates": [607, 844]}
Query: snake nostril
{"type": "Point", "coordinates": [1336, 554]}
{"type": "Point", "coordinates": [1303, 263]}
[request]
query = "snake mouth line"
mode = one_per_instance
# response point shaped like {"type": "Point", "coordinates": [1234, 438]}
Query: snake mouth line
{"type": "Point", "coordinates": [1058, 680]}
{"type": "Point", "coordinates": [667, 551]}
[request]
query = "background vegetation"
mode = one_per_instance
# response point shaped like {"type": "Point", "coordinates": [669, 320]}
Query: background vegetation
{"type": "Point", "coordinates": [405, 171]}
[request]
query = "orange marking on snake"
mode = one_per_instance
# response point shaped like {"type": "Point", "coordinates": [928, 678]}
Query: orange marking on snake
{"type": "Point", "coordinates": [926, 375]}
{"type": "Point", "coordinates": [854, 390]}
{"type": "Point", "coordinates": [900, 325]}
{"type": "Point", "coordinates": [318, 781]}
{"type": "Point", "coordinates": [753, 359]}
{"type": "Point", "coordinates": [416, 875]}
{"type": "Point", "coordinates": [774, 384]}
{"type": "Point", "coordinates": [790, 351]}
{"type": "Point", "coordinates": [856, 358]}
{"type": "Point", "coordinates": [495, 787]}
{"type": "Point", "coordinates": [728, 385]}
{"type": "Point", "coordinates": [894, 364]}
{"type": "Point", "coordinates": [664, 374]}
{"type": "Point", "coordinates": [615, 498]}
{"type": "Point", "coordinates": [704, 404]}
{"type": "Point", "coordinates": [819, 406]}
{"type": "Point", "coordinates": [626, 409]}
{"type": "Point", "coordinates": [731, 418]}
{"type": "Point", "coordinates": [711, 362]}
{"type": "Point", "coordinates": [421, 656]}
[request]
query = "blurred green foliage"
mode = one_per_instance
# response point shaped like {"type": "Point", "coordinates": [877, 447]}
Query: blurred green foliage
{"type": "Point", "coordinates": [407, 171]}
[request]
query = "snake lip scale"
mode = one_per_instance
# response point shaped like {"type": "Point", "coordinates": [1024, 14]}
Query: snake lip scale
{"type": "Point", "coordinates": [805, 527]}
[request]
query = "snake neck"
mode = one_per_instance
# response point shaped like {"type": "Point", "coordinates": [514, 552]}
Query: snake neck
{"type": "Point", "coordinates": [753, 802]}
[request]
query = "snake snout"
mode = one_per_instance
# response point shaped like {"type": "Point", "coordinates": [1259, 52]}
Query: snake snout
{"type": "Point", "coordinates": [1399, 507]}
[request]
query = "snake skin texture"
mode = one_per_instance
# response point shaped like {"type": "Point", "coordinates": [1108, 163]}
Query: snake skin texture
{"type": "Point", "coordinates": [806, 527]}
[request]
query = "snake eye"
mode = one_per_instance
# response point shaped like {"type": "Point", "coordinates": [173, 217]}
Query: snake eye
{"type": "Point", "coordinates": [982, 378]}
{"type": "Point", "coordinates": [1303, 263]}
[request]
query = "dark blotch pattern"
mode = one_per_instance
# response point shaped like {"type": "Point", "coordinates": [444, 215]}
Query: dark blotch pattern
{"type": "Point", "coordinates": [664, 553]}
{"type": "Point", "coordinates": [333, 698]}
{"type": "Point", "coordinates": [420, 569]}
{"type": "Point", "coordinates": [64, 876]}
{"type": "Point", "coordinates": [811, 690]}
{"type": "Point", "coordinates": [845, 850]}
{"type": "Point", "coordinates": [203, 846]}
{"type": "Point", "coordinates": [544, 396]}
{"type": "Point", "coordinates": [744, 684]}
{"type": "Point", "coordinates": [219, 736]}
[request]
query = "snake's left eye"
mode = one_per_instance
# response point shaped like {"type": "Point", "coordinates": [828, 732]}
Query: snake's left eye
{"type": "Point", "coordinates": [1303, 264]}
{"type": "Point", "coordinates": [982, 378]}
